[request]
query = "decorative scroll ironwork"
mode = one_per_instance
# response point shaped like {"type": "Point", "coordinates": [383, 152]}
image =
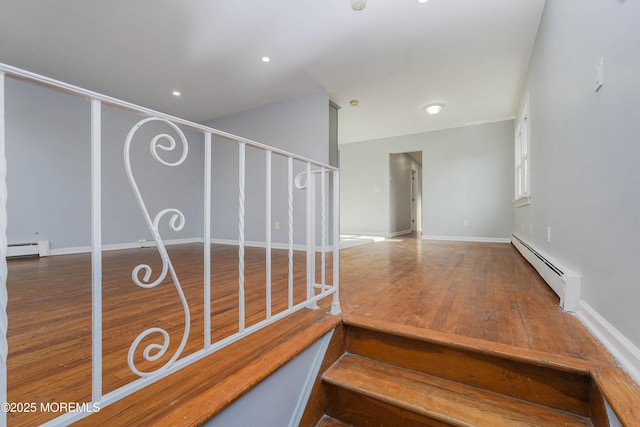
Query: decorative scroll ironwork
{"type": "Point", "coordinates": [142, 274]}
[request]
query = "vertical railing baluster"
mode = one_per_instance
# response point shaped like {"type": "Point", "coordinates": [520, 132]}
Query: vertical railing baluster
{"type": "Point", "coordinates": [4, 297]}
{"type": "Point", "coordinates": [335, 305]}
{"type": "Point", "coordinates": [311, 233]}
{"type": "Point", "coordinates": [241, 179]}
{"type": "Point", "coordinates": [290, 211]}
{"type": "Point", "coordinates": [96, 249]}
{"type": "Point", "coordinates": [323, 237]}
{"type": "Point", "coordinates": [328, 215]}
{"type": "Point", "coordinates": [268, 233]}
{"type": "Point", "coordinates": [207, 240]}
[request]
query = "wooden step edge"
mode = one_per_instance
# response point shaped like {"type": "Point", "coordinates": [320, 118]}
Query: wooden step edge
{"type": "Point", "coordinates": [621, 392]}
{"type": "Point", "coordinates": [533, 357]}
{"type": "Point", "coordinates": [453, 404]}
{"type": "Point", "coordinates": [327, 421]}
{"type": "Point", "coordinates": [200, 391]}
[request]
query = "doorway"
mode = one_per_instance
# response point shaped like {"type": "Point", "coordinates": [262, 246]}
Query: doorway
{"type": "Point", "coordinates": [405, 193]}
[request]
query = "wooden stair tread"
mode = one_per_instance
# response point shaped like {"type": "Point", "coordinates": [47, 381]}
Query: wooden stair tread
{"type": "Point", "coordinates": [327, 421]}
{"type": "Point", "coordinates": [621, 392]}
{"type": "Point", "coordinates": [533, 357]}
{"type": "Point", "coordinates": [561, 387]}
{"type": "Point", "coordinates": [443, 401]}
{"type": "Point", "coordinates": [201, 390]}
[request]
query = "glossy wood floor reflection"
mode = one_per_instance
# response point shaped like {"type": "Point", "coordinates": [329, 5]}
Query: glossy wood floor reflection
{"type": "Point", "coordinates": [485, 291]}
{"type": "Point", "coordinates": [49, 314]}
{"type": "Point", "coordinates": [476, 290]}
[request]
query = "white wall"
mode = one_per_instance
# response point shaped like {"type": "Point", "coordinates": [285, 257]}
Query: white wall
{"type": "Point", "coordinates": [299, 125]}
{"type": "Point", "coordinates": [467, 173]}
{"type": "Point", "coordinates": [585, 148]}
{"type": "Point", "coordinates": [48, 154]}
{"type": "Point", "coordinates": [48, 151]}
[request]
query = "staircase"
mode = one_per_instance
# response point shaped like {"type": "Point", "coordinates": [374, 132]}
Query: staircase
{"type": "Point", "coordinates": [392, 375]}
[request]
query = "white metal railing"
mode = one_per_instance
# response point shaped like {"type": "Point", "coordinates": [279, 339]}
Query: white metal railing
{"type": "Point", "coordinates": [142, 275]}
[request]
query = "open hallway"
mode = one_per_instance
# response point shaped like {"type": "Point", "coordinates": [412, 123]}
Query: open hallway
{"type": "Point", "coordinates": [468, 295]}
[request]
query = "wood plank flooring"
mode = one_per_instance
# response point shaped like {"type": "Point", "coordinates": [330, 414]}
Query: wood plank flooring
{"type": "Point", "coordinates": [49, 313]}
{"type": "Point", "coordinates": [483, 291]}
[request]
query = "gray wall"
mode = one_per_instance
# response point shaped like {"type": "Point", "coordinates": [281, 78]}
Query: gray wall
{"type": "Point", "coordinates": [585, 150]}
{"type": "Point", "coordinates": [48, 153]}
{"type": "Point", "coordinates": [467, 174]}
{"type": "Point", "coordinates": [280, 399]}
{"type": "Point", "coordinates": [299, 125]}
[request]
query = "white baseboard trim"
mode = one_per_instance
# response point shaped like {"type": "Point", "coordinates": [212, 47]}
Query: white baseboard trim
{"type": "Point", "coordinates": [400, 233]}
{"type": "Point", "coordinates": [151, 243]}
{"type": "Point", "coordinates": [362, 234]}
{"type": "Point", "coordinates": [469, 239]}
{"type": "Point", "coordinates": [565, 283]}
{"type": "Point", "coordinates": [120, 246]}
{"type": "Point", "coordinates": [257, 244]}
{"type": "Point", "coordinates": [618, 345]}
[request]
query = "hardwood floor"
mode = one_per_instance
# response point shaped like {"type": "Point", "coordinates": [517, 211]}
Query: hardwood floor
{"type": "Point", "coordinates": [49, 314]}
{"type": "Point", "coordinates": [479, 291]}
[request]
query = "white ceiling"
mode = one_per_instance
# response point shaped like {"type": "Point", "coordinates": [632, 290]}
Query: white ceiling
{"type": "Point", "coordinates": [395, 56]}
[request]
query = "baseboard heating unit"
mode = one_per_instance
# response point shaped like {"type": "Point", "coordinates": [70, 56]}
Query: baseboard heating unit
{"type": "Point", "coordinates": [28, 249]}
{"type": "Point", "coordinates": [564, 282]}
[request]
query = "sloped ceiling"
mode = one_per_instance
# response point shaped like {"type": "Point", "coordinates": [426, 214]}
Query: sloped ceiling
{"type": "Point", "coordinates": [394, 57]}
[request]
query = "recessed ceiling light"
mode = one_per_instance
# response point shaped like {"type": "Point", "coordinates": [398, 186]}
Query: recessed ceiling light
{"type": "Point", "coordinates": [354, 102]}
{"type": "Point", "coordinates": [266, 59]}
{"type": "Point", "coordinates": [433, 108]}
{"type": "Point", "coordinates": [422, 1]}
{"type": "Point", "coordinates": [176, 93]}
{"type": "Point", "coordinates": [358, 4]}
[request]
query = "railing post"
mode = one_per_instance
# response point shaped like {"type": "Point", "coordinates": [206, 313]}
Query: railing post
{"type": "Point", "coordinates": [241, 185]}
{"type": "Point", "coordinates": [290, 211]}
{"type": "Point", "coordinates": [311, 237]}
{"type": "Point", "coordinates": [4, 322]}
{"type": "Point", "coordinates": [268, 232]}
{"type": "Point", "coordinates": [96, 249]}
{"type": "Point", "coordinates": [335, 305]}
{"type": "Point", "coordinates": [323, 230]}
{"type": "Point", "coordinates": [207, 240]}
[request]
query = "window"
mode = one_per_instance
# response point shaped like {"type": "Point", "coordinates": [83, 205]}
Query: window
{"type": "Point", "coordinates": [523, 158]}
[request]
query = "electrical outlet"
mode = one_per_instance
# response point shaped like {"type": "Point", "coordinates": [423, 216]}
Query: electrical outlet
{"type": "Point", "coordinates": [276, 225]}
{"type": "Point", "coordinates": [466, 222]}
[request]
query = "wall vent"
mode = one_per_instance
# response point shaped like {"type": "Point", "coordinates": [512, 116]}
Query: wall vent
{"type": "Point", "coordinates": [28, 249]}
{"type": "Point", "coordinates": [564, 282]}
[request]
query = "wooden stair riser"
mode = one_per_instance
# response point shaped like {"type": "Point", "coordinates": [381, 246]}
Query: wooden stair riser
{"type": "Point", "coordinates": [555, 388]}
{"type": "Point", "coordinates": [360, 410]}
{"type": "Point", "coordinates": [368, 392]}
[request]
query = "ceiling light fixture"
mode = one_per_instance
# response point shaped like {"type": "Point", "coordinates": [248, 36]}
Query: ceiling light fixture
{"type": "Point", "coordinates": [354, 102]}
{"type": "Point", "coordinates": [176, 93]}
{"type": "Point", "coordinates": [266, 59]}
{"type": "Point", "coordinates": [433, 108]}
{"type": "Point", "coordinates": [358, 4]}
{"type": "Point", "coordinates": [422, 1]}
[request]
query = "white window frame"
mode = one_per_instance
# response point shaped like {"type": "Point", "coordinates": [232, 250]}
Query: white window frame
{"type": "Point", "coordinates": [523, 158]}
